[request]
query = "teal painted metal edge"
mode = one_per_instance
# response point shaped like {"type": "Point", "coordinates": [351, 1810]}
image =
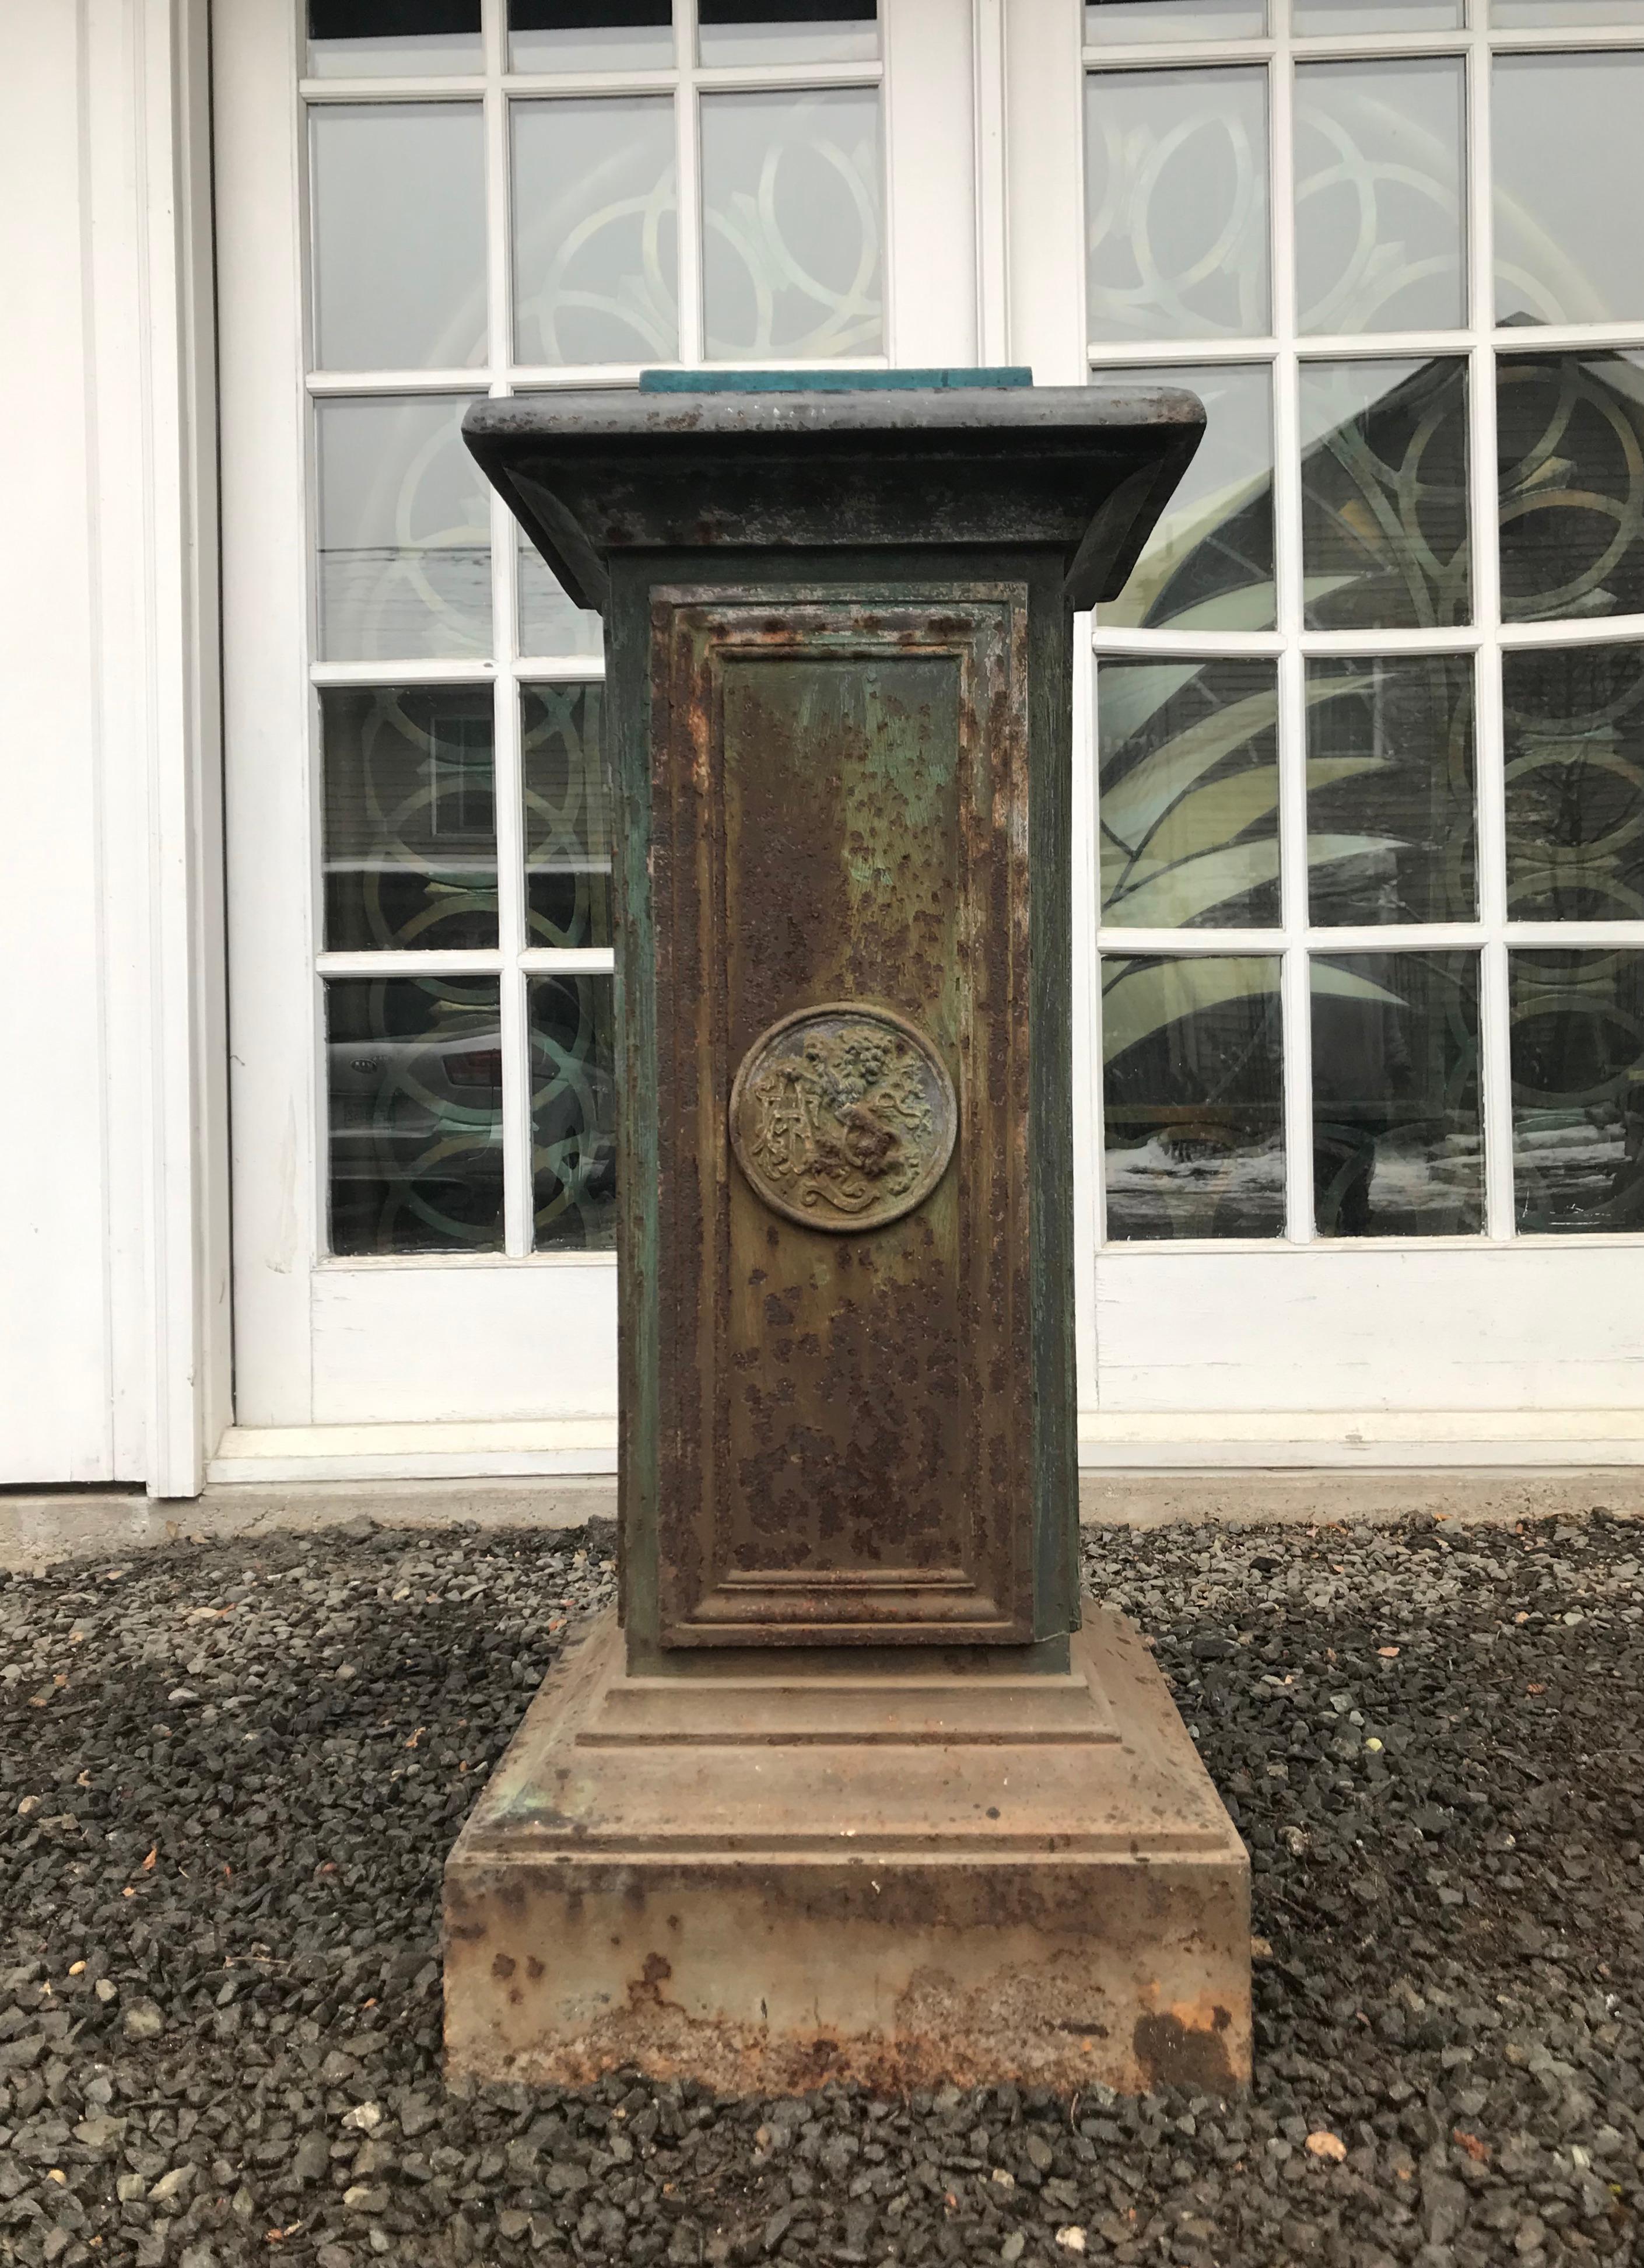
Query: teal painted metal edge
{"type": "Point", "coordinates": [826, 382]}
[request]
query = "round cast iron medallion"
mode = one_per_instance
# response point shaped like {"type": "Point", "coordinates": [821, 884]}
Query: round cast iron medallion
{"type": "Point", "coordinates": [842, 1117]}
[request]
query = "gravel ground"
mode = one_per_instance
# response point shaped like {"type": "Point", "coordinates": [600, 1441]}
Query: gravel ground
{"type": "Point", "coordinates": [229, 1775]}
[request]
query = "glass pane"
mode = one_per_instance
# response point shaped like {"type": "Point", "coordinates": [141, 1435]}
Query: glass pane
{"type": "Point", "coordinates": [1513, 15]}
{"type": "Point", "coordinates": [573, 1113]}
{"type": "Point", "coordinates": [570, 35]}
{"type": "Point", "coordinates": [1176, 204]}
{"type": "Point", "coordinates": [1385, 494]}
{"type": "Point", "coordinates": [1574, 734]}
{"type": "Point", "coordinates": [568, 816]}
{"type": "Point", "coordinates": [410, 818]}
{"type": "Point", "coordinates": [595, 245]}
{"type": "Point", "coordinates": [1208, 564]}
{"type": "Point", "coordinates": [1379, 195]}
{"type": "Point", "coordinates": [1188, 793]}
{"type": "Point", "coordinates": [1114, 22]}
{"type": "Point", "coordinates": [405, 531]}
{"type": "Point", "coordinates": [1397, 1148]}
{"type": "Point", "coordinates": [1570, 456]}
{"type": "Point", "coordinates": [549, 623]}
{"type": "Point", "coordinates": [399, 195]}
{"type": "Point", "coordinates": [1568, 248]}
{"type": "Point", "coordinates": [1194, 1111]}
{"type": "Point", "coordinates": [398, 39]}
{"type": "Point", "coordinates": [1578, 1090]}
{"type": "Point", "coordinates": [1319, 18]}
{"type": "Point", "coordinates": [791, 255]}
{"type": "Point", "coordinates": [415, 1073]}
{"type": "Point", "coordinates": [1389, 789]}
{"type": "Point", "coordinates": [786, 31]}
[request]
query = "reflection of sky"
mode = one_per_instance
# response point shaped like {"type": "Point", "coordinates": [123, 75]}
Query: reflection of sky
{"type": "Point", "coordinates": [398, 191]}
{"type": "Point", "coordinates": [1569, 181]}
{"type": "Point", "coordinates": [396, 469]}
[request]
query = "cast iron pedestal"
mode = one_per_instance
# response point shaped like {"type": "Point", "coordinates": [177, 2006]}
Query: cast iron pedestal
{"type": "Point", "coordinates": [849, 1791]}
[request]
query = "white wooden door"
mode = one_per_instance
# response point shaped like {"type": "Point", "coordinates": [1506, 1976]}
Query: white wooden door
{"type": "Point", "coordinates": [1362, 978]}
{"type": "Point", "coordinates": [419, 935]}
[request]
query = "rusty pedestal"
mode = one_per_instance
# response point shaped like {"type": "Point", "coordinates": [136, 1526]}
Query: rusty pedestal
{"type": "Point", "coordinates": [849, 1791]}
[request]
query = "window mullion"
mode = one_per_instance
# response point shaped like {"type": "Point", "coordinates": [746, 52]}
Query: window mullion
{"type": "Point", "coordinates": [1297, 1053]}
{"type": "Point", "coordinates": [1495, 1067]}
{"type": "Point", "coordinates": [687, 124]}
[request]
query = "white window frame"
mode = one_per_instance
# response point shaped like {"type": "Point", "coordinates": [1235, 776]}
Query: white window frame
{"type": "Point", "coordinates": [310, 1385]}
{"type": "Point", "coordinates": [1303, 1348]}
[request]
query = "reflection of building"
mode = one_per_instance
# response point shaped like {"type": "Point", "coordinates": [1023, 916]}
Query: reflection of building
{"type": "Point", "coordinates": [309, 864]}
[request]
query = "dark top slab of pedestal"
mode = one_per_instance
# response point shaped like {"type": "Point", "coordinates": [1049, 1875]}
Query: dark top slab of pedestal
{"type": "Point", "coordinates": [1084, 468]}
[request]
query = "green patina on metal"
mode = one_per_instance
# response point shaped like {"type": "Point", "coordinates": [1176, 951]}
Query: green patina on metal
{"type": "Point", "coordinates": [838, 704]}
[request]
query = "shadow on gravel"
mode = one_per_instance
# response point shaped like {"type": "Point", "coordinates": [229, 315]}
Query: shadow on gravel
{"type": "Point", "coordinates": [229, 1777]}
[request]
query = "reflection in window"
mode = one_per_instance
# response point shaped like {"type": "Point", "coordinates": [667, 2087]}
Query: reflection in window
{"type": "Point", "coordinates": [595, 234]}
{"type": "Point", "coordinates": [1193, 1115]}
{"type": "Point", "coordinates": [1378, 195]}
{"type": "Point", "coordinates": [1397, 1145]}
{"type": "Point", "coordinates": [568, 816]}
{"type": "Point", "coordinates": [1568, 245]}
{"type": "Point", "coordinates": [1574, 731]}
{"type": "Point", "coordinates": [574, 35]}
{"type": "Point", "coordinates": [1389, 789]}
{"type": "Point", "coordinates": [1317, 19]}
{"type": "Point", "coordinates": [1384, 494]}
{"type": "Point", "coordinates": [1570, 462]}
{"type": "Point", "coordinates": [786, 31]}
{"type": "Point", "coordinates": [414, 1076]}
{"type": "Point", "coordinates": [1176, 204]}
{"type": "Point", "coordinates": [1112, 22]}
{"type": "Point", "coordinates": [549, 625]}
{"type": "Point", "coordinates": [410, 819]}
{"type": "Point", "coordinates": [405, 531]}
{"type": "Point", "coordinates": [1578, 1089]}
{"type": "Point", "coordinates": [399, 223]}
{"type": "Point", "coordinates": [400, 39]}
{"type": "Point", "coordinates": [1567, 15]}
{"type": "Point", "coordinates": [1208, 564]}
{"type": "Point", "coordinates": [1188, 793]}
{"type": "Point", "coordinates": [573, 1113]}
{"type": "Point", "coordinates": [792, 257]}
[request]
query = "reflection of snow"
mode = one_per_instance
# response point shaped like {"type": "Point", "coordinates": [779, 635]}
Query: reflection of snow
{"type": "Point", "coordinates": [1572, 1169]}
{"type": "Point", "coordinates": [1172, 1188]}
{"type": "Point", "coordinates": [1423, 1184]}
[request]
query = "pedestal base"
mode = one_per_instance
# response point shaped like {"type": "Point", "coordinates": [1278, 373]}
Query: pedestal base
{"type": "Point", "coordinates": [905, 1878]}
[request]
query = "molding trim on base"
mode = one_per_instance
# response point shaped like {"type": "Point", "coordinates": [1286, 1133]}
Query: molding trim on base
{"type": "Point", "coordinates": [1110, 1442]}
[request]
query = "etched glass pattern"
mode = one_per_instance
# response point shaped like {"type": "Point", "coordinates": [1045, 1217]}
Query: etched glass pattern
{"type": "Point", "coordinates": [1188, 793]}
{"type": "Point", "coordinates": [1193, 1113]}
{"type": "Point", "coordinates": [1378, 195]}
{"type": "Point", "coordinates": [1208, 564]}
{"type": "Point", "coordinates": [1384, 494]}
{"type": "Point", "coordinates": [1391, 834]}
{"type": "Point", "coordinates": [568, 816]}
{"type": "Point", "coordinates": [410, 819]}
{"type": "Point", "coordinates": [1176, 204]}
{"type": "Point", "coordinates": [1575, 732]}
{"type": "Point", "coordinates": [595, 250]}
{"type": "Point", "coordinates": [1570, 461]}
{"type": "Point", "coordinates": [414, 1082]}
{"type": "Point", "coordinates": [573, 1114]}
{"type": "Point", "coordinates": [405, 531]}
{"type": "Point", "coordinates": [792, 224]}
{"type": "Point", "coordinates": [1398, 1142]}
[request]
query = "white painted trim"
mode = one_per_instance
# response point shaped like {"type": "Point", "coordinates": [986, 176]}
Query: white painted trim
{"type": "Point", "coordinates": [1109, 1441]}
{"type": "Point", "coordinates": [151, 405]}
{"type": "Point", "coordinates": [430, 1452]}
{"type": "Point", "coordinates": [1339, 1440]}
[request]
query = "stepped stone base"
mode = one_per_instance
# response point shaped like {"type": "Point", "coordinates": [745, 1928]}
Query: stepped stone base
{"type": "Point", "coordinates": [764, 1880]}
